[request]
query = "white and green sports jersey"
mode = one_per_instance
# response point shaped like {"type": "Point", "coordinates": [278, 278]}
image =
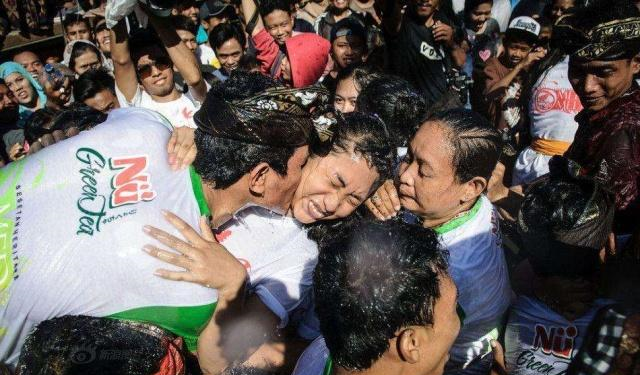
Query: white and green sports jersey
{"type": "Point", "coordinates": [478, 267]}
{"type": "Point", "coordinates": [71, 230]}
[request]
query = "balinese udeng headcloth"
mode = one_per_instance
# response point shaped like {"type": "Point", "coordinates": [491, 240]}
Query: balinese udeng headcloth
{"type": "Point", "coordinates": [279, 116]}
{"type": "Point", "coordinates": [613, 40]}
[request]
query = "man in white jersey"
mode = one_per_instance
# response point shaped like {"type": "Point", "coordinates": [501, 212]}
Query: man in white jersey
{"type": "Point", "coordinates": [144, 74]}
{"type": "Point", "coordinates": [183, 192]}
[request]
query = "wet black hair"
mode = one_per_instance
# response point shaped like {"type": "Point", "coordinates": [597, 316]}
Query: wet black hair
{"type": "Point", "coordinates": [397, 103]}
{"type": "Point", "coordinates": [364, 133]}
{"type": "Point", "coordinates": [475, 144]}
{"type": "Point", "coordinates": [361, 75]}
{"type": "Point", "coordinates": [223, 161]}
{"type": "Point", "coordinates": [91, 82]}
{"type": "Point", "coordinates": [71, 345]}
{"type": "Point", "coordinates": [79, 49]}
{"type": "Point", "coordinates": [374, 280]}
{"type": "Point", "coordinates": [144, 41]}
{"type": "Point", "coordinates": [180, 22]}
{"type": "Point", "coordinates": [224, 32]}
{"type": "Point", "coordinates": [269, 6]}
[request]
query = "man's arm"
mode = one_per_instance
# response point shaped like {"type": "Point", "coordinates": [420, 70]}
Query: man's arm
{"type": "Point", "coordinates": [123, 68]}
{"type": "Point", "coordinates": [249, 9]}
{"type": "Point", "coordinates": [494, 88]}
{"type": "Point", "coordinates": [393, 21]}
{"type": "Point", "coordinates": [184, 60]}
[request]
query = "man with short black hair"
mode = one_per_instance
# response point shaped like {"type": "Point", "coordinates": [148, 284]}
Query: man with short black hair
{"type": "Point", "coordinates": [30, 62]}
{"type": "Point", "coordinates": [603, 45]}
{"type": "Point", "coordinates": [348, 48]}
{"type": "Point", "coordinates": [385, 302]}
{"type": "Point", "coordinates": [76, 27]}
{"type": "Point", "coordinates": [228, 41]}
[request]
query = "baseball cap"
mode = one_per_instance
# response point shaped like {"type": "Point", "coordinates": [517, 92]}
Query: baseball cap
{"type": "Point", "coordinates": [212, 8]}
{"type": "Point", "coordinates": [525, 27]}
{"type": "Point", "coordinates": [347, 27]}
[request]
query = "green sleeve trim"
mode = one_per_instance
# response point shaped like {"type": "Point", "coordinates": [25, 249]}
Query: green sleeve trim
{"type": "Point", "coordinates": [198, 192]}
{"type": "Point", "coordinates": [328, 367]}
{"type": "Point", "coordinates": [459, 220]}
{"type": "Point", "coordinates": [184, 321]}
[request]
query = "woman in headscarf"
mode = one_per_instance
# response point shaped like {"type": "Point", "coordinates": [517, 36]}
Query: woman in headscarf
{"type": "Point", "coordinates": [82, 55]}
{"type": "Point", "coordinates": [26, 90]}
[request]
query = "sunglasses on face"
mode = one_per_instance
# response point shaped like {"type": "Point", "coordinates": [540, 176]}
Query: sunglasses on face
{"type": "Point", "coordinates": [161, 63]}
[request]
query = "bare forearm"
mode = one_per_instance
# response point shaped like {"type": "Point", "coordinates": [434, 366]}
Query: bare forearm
{"type": "Point", "coordinates": [504, 82]}
{"type": "Point", "coordinates": [393, 22]}
{"type": "Point", "coordinates": [124, 70]}
{"type": "Point", "coordinates": [249, 8]}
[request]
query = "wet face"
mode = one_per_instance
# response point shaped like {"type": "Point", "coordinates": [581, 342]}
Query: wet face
{"type": "Point", "coordinates": [347, 50]}
{"type": "Point", "coordinates": [103, 39]}
{"type": "Point", "coordinates": [425, 8]}
{"type": "Point", "coordinates": [78, 31]}
{"type": "Point", "coordinates": [346, 95]}
{"type": "Point", "coordinates": [428, 185]}
{"type": "Point", "coordinates": [86, 61]}
{"type": "Point", "coordinates": [31, 62]}
{"type": "Point", "coordinates": [155, 74]}
{"type": "Point", "coordinates": [22, 89]}
{"type": "Point", "coordinates": [229, 54]}
{"type": "Point", "coordinates": [479, 16]}
{"type": "Point", "coordinates": [333, 186]}
{"type": "Point", "coordinates": [279, 24]}
{"type": "Point", "coordinates": [188, 39]}
{"type": "Point", "coordinates": [516, 52]}
{"type": "Point", "coordinates": [560, 7]}
{"type": "Point", "coordinates": [598, 83]}
{"type": "Point", "coordinates": [104, 101]}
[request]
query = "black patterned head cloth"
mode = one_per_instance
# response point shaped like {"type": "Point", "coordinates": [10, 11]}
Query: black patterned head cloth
{"type": "Point", "coordinates": [604, 30]}
{"type": "Point", "coordinates": [277, 116]}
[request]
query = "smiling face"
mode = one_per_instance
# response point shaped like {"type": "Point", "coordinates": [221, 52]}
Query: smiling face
{"type": "Point", "coordinates": [22, 89]}
{"type": "Point", "coordinates": [103, 39]}
{"type": "Point", "coordinates": [479, 16]}
{"type": "Point", "coordinates": [428, 185]}
{"type": "Point", "coordinates": [333, 186]}
{"type": "Point", "coordinates": [515, 52]}
{"type": "Point", "coordinates": [347, 50]}
{"type": "Point", "coordinates": [598, 83]}
{"type": "Point", "coordinates": [60, 95]}
{"type": "Point", "coordinates": [340, 5]}
{"type": "Point", "coordinates": [155, 73]}
{"type": "Point", "coordinates": [86, 61]}
{"type": "Point", "coordinates": [279, 24]}
{"type": "Point", "coordinates": [229, 54]}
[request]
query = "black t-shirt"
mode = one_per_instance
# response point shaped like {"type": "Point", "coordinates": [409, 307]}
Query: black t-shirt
{"type": "Point", "coordinates": [414, 55]}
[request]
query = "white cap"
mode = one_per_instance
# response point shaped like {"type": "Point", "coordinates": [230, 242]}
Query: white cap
{"type": "Point", "coordinates": [526, 24]}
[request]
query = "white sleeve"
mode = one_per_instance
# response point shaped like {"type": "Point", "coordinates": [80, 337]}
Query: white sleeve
{"type": "Point", "coordinates": [283, 290]}
{"type": "Point", "coordinates": [135, 101]}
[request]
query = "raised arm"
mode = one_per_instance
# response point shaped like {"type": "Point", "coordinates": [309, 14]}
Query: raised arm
{"type": "Point", "coordinates": [184, 60]}
{"type": "Point", "coordinates": [393, 20]}
{"type": "Point", "coordinates": [249, 9]}
{"type": "Point", "coordinates": [123, 67]}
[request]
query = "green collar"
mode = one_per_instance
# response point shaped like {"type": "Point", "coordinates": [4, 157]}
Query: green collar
{"type": "Point", "coordinates": [459, 219]}
{"type": "Point", "coordinates": [328, 367]}
{"type": "Point", "coordinates": [198, 192]}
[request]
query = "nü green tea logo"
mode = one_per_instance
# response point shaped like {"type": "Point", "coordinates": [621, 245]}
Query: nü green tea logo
{"type": "Point", "coordinates": [129, 185]}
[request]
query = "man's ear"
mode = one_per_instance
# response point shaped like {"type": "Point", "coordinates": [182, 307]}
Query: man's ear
{"type": "Point", "coordinates": [409, 344]}
{"type": "Point", "coordinates": [473, 188]}
{"type": "Point", "coordinates": [258, 179]}
{"type": "Point", "coordinates": [635, 64]}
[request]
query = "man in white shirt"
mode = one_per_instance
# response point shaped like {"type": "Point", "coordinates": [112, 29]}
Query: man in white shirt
{"type": "Point", "coordinates": [144, 75]}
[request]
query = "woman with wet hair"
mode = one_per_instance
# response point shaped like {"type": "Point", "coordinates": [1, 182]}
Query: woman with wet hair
{"type": "Point", "coordinates": [442, 181]}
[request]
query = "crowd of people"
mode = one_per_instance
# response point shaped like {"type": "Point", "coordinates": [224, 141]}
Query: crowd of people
{"type": "Point", "coordinates": [378, 187]}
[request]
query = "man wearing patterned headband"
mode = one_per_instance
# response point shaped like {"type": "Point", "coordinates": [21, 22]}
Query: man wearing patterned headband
{"type": "Point", "coordinates": [603, 41]}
